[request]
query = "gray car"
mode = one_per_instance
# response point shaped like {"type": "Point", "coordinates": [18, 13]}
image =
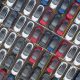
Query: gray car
{"type": "Point", "coordinates": [20, 43]}
{"type": "Point", "coordinates": [26, 73]}
{"type": "Point", "coordinates": [18, 5]}
{"type": "Point", "coordinates": [10, 19]}
{"type": "Point", "coordinates": [55, 22]}
{"type": "Point", "coordinates": [35, 74]}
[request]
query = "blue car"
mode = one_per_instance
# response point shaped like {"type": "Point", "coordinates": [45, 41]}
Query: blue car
{"type": "Point", "coordinates": [45, 2]}
{"type": "Point", "coordinates": [76, 0]}
{"type": "Point", "coordinates": [54, 43]}
{"type": "Point", "coordinates": [64, 6]}
{"type": "Point", "coordinates": [10, 77]}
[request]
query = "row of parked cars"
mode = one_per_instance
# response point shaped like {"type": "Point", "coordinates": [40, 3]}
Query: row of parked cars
{"type": "Point", "coordinates": [30, 51]}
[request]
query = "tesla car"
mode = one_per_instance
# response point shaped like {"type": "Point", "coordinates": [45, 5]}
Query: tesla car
{"type": "Point", "coordinates": [3, 13]}
{"type": "Point", "coordinates": [61, 69]}
{"type": "Point", "coordinates": [71, 32]}
{"type": "Point", "coordinates": [27, 50]}
{"type": "Point", "coordinates": [53, 65]}
{"type": "Point", "coordinates": [72, 11]}
{"type": "Point", "coordinates": [17, 67]}
{"type": "Point", "coordinates": [70, 73]}
{"type": "Point", "coordinates": [3, 34]}
{"type": "Point", "coordinates": [35, 55]}
{"type": "Point", "coordinates": [20, 23]}
{"type": "Point", "coordinates": [46, 17]}
{"type": "Point", "coordinates": [10, 40]}
{"type": "Point", "coordinates": [27, 30]}
{"type": "Point", "coordinates": [38, 12]}
{"type": "Point", "coordinates": [36, 34]}
{"type": "Point", "coordinates": [29, 7]}
{"type": "Point", "coordinates": [71, 53]}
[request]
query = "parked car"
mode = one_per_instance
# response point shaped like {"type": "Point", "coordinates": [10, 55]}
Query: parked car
{"type": "Point", "coordinates": [77, 60]}
{"type": "Point", "coordinates": [62, 28]}
{"type": "Point", "coordinates": [27, 50]}
{"type": "Point", "coordinates": [10, 19]}
{"type": "Point", "coordinates": [3, 73]}
{"type": "Point", "coordinates": [53, 65]}
{"type": "Point", "coordinates": [3, 53]}
{"type": "Point", "coordinates": [77, 76]}
{"type": "Point", "coordinates": [27, 30]}
{"type": "Point", "coordinates": [3, 13]}
{"type": "Point", "coordinates": [3, 34]}
{"type": "Point", "coordinates": [62, 49]}
{"type": "Point", "coordinates": [54, 4]}
{"type": "Point", "coordinates": [70, 73]}
{"type": "Point", "coordinates": [46, 77]}
{"type": "Point", "coordinates": [52, 46]}
{"type": "Point", "coordinates": [78, 1]}
{"type": "Point", "coordinates": [36, 34]}
{"type": "Point", "coordinates": [10, 3]}
{"type": "Point", "coordinates": [77, 39]}
{"type": "Point", "coordinates": [18, 5]}
{"type": "Point", "coordinates": [35, 74]}
{"type": "Point", "coordinates": [26, 72]}
{"type": "Point", "coordinates": [77, 19]}
{"type": "Point", "coordinates": [8, 63]}
{"type": "Point", "coordinates": [45, 39]}
{"type": "Point", "coordinates": [20, 43]}
{"type": "Point", "coordinates": [44, 2]}
{"type": "Point", "coordinates": [29, 7]}
{"type": "Point", "coordinates": [20, 23]}
{"type": "Point", "coordinates": [10, 77]}
{"type": "Point", "coordinates": [71, 32]}
{"type": "Point", "coordinates": [43, 61]}
{"type": "Point", "coordinates": [17, 67]}
{"type": "Point", "coordinates": [55, 22]}
{"type": "Point", "coordinates": [71, 53]}
{"type": "Point", "coordinates": [46, 17]}
{"type": "Point", "coordinates": [38, 12]}
{"type": "Point", "coordinates": [72, 11]}
{"type": "Point", "coordinates": [61, 70]}
{"type": "Point", "coordinates": [10, 40]}
{"type": "Point", "coordinates": [35, 55]}
{"type": "Point", "coordinates": [64, 6]}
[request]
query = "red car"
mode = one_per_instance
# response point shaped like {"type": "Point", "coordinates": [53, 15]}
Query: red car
{"type": "Point", "coordinates": [72, 11]}
{"type": "Point", "coordinates": [46, 17]}
{"type": "Point", "coordinates": [53, 65]}
{"type": "Point", "coordinates": [60, 31]}
{"type": "Point", "coordinates": [62, 50]}
{"type": "Point", "coordinates": [36, 34]}
{"type": "Point", "coordinates": [35, 55]}
{"type": "Point", "coordinates": [3, 73]}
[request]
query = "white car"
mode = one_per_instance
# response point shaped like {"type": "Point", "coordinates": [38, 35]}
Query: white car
{"type": "Point", "coordinates": [29, 7]}
{"type": "Point", "coordinates": [3, 34]}
{"type": "Point", "coordinates": [3, 54]}
{"type": "Point", "coordinates": [77, 19]}
{"type": "Point", "coordinates": [77, 60]}
{"type": "Point", "coordinates": [3, 13]}
{"type": "Point", "coordinates": [20, 23]}
{"type": "Point", "coordinates": [27, 50]}
{"type": "Point", "coordinates": [71, 32]}
{"type": "Point", "coordinates": [27, 30]}
{"type": "Point", "coordinates": [70, 73]}
{"type": "Point", "coordinates": [71, 53]}
{"type": "Point", "coordinates": [17, 67]}
{"type": "Point", "coordinates": [38, 12]}
{"type": "Point", "coordinates": [54, 3]}
{"type": "Point", "coordinates": [77, 39]}
{"type": "Point", "coordinates": [10, 2]}
{"type": "Point", "coordinates": [10, 40]}
{"type": "Point", "coordinates": [61, 69]}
